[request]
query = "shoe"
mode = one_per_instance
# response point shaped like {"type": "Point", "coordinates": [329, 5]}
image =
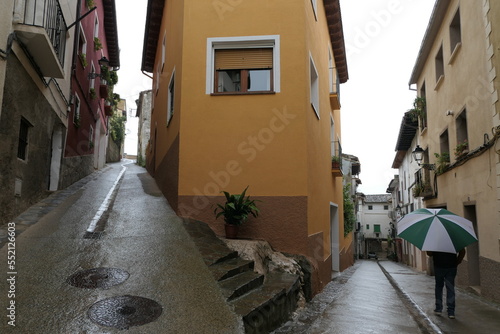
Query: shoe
{"type": "Point", "coordinates": [451, 316]}
{"type": "Point", "coordinates": [438, 313]}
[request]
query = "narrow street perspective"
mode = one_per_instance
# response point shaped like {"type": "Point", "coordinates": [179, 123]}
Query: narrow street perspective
{"type": "Point", "coordinates": [250, 167]}
{"type": "Point", "coordinates": [140, 270]}
{"type": "Point", "coordinates": [139, 249]}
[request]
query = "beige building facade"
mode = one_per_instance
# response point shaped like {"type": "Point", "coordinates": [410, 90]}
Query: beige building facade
{"type": "Point", "coordinates": [456, 74]}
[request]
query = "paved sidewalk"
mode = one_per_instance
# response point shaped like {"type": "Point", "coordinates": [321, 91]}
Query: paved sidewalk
{"type": "Point", "coordinates": [473, 313]}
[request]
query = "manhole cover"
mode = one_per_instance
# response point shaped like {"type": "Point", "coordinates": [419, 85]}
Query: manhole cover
{"type": "Point", "coordinates": [124, 311]}
{"type": "Point", "coordinates": [102, 278]}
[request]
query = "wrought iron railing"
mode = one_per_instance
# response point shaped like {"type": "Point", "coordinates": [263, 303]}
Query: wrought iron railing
{"type": "Point", "coordinates": [48, 14]}
{"type": "Point", "coordinates": [338, 154]}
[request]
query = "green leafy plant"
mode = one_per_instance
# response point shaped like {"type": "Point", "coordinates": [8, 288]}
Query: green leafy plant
{"type": "Point", "coordinates": [419, 110]}
{"type": "Point", "coordinates": [237, 208]}
{"type": "Point", "coordinates": [117, 128]}
{"type": "Point", "coordinates": [442, 162]}
{"type": "Point", "coordinates": [92, 93]}
{"type": "Point", "coordinates": [349, 215]}
{"type": "Point", "coordinates": [461, 148]}
{"type": "Point", "coordinates": [97, 44]}
{"type": "Point", "coordinates": [83, 59]}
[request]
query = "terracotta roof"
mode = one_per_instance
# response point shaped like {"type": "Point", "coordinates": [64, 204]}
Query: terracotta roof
{"type": "Point", "coordinates": [333, 16]}
{"type": "Point", "coordinates": [111, 30]}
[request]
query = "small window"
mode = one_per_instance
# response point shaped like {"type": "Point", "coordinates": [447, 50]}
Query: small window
{"type": "Point", "coordinates": [22, 149]}
{"type": "Point", "coordinates": [96, 26]}
{"type": "Point", "coordinates": [76, 114]}
{"type": "Point", "coordinates": [444, 145]}
{"type": "Point", "coordinates": [91, 137]}
{"type": "Point", "coordinates": [462, 136]}
{"type": "Point", "coordinates": [314, 4]}
{"type": "Point", "coordinates": [92, 80]}
{"type": "Point", "coordinates": [367, 226]}
{"type": "Point", "coordinates": [243, 65]}
{"type": "Point", "coordinates": [171, 98]}
{"type": "Point", "coordinates": [386, 207]}
{"type": "Point", "coordinates": [163, 51]}
{"type": "Point", "coordinates": [439, 64]}
{"type": "Point", "coordinates": [370, 207]}
{"type": "Point", "coordinates": [455, 32]}
{"type": "Point", "coordinates": [376, 228]}
{"type": "Point", "coordinates": [82, 42]}
{"type": "Point", "coordinates": [243, 70]}
{"type": "Point", "coordinates": [314, 87]}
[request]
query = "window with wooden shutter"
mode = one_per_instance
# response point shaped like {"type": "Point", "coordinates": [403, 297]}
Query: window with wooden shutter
{"type": "Point", "coordinates": [243, 70]}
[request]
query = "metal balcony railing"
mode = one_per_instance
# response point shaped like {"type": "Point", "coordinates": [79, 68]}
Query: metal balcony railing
{"type": "Point", "coordinates": [48, 14]}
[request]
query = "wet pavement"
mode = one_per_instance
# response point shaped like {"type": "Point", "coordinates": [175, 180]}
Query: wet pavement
{"type": "Point", "coordinates": [388, 297]}
{"type": "Point", "coordinates": [139, 271]}
{"type": "Point", "coordinates": [140, 235]}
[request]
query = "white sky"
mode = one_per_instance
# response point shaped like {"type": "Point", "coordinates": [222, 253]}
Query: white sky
{"type": "Point", "coordinates": [382, 39]}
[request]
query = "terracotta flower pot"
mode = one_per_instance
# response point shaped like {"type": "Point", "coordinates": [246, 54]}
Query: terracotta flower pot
{"type": "Point", "coordinates": [231, 231]}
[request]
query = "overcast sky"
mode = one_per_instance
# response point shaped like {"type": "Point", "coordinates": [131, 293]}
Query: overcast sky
{"type": "Point", "coordinates": [382, 39]}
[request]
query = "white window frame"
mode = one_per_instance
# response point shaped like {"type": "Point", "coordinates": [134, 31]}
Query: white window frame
{"type": "Point", "coordinates": [92, 80]}
{"type": "Point", "coordinates": [96, 26]}
{"type": "Point", "coordinates": [314, 86]}
{"type": "Point", "coordinates": [314, 4]}
{"type": "Point", "coordinates": [91, 135]}
{"type": "Point", "coordinates": [84, 38]}
{"type": "Point", "coordinates": [241, 42]}
{"type": "Point", "coordinates": [163, 51]}
{"type": "Point", "coordinates": [78, 103]}
{"type": "Point", "coordinates": [171, 97]}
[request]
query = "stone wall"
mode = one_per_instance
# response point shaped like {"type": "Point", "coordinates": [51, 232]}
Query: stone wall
{"type": "Point", "coordinates": [23, 99]}
{"type": "Point", "coordinates": [75, 168]}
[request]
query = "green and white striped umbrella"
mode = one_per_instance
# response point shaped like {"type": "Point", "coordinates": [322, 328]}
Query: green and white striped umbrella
{"type": "Point", "coordinates": [437, 230]}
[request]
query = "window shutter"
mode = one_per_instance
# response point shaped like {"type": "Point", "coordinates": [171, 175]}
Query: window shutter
{"type": "Point", "coordinates": [237, 59]}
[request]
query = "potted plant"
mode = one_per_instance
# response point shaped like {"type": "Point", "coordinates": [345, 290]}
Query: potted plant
{"type": "Point", "coordinates": [92, 93]}
{"type": "Point", "coordinates": [97, 44]}
{"type": "Point", "coordinates": [335, 162]}
{"type": "Point", "coordinates": [461, 149]}
{"type": "Point", "coordinates": [235, 210]}
{"type": "Point", "coordinates": [419, 111]}
{"type": "Point", "coordinates": [442, 163]}
{"type": "Point", "coordinates": [83, 59]}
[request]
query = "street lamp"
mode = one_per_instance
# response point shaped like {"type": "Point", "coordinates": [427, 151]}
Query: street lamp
{"type": "Point", "coordinates": [418, 155]}
{"type": "Point", "coordinates": [102, 62]}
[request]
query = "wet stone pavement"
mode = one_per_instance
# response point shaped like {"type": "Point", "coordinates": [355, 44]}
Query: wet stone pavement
{"type": "Point", "coordinates": [144, 274]}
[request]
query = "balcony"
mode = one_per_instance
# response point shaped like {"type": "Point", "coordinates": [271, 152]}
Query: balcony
{"type": "Point", "coordinates": [423, 186]}
{"type": "Point", "coordinates": [337, 160]}
{"type": "Point", "coordinates": [334, 90]}
{"type": "Point", "coordinates": [41, 29]}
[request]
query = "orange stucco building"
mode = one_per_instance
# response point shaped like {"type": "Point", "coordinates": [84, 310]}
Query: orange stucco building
{"type": "Point", "coordinates": [245, 93]}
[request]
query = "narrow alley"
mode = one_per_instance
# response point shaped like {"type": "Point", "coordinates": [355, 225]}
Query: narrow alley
{"type": "Point", "coordinates": [111, 245]}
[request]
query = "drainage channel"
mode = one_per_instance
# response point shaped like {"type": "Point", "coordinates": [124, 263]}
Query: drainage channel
{"type": "Point", "coordinates": [96, 227]}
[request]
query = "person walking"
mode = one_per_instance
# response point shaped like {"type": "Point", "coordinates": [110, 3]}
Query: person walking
{"type": "Point", "coordinates": [445, 271]}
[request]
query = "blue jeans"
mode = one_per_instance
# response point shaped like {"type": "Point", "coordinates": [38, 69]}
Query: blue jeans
{"type": "Point", "coordinates": [445, 276]}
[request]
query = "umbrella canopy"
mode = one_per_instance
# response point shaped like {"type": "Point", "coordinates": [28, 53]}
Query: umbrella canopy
{"type": "Point", "coordinates": [437, 230]}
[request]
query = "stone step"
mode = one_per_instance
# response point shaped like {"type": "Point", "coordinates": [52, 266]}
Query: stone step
{"type": "Point", "coordinates": [240, 284]}
{"type": "Point", "coordinates": [212, 249]}
{"type": "Point", "coordinates": [265, 308]}
{"type": "Point", "coordinates": [229, 268]}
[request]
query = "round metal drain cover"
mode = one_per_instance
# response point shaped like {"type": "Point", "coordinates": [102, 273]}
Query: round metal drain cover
{"type": "Point", "coordinates": [124, 311]}
{"type": "Point", "coordinates": [103, 278]}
